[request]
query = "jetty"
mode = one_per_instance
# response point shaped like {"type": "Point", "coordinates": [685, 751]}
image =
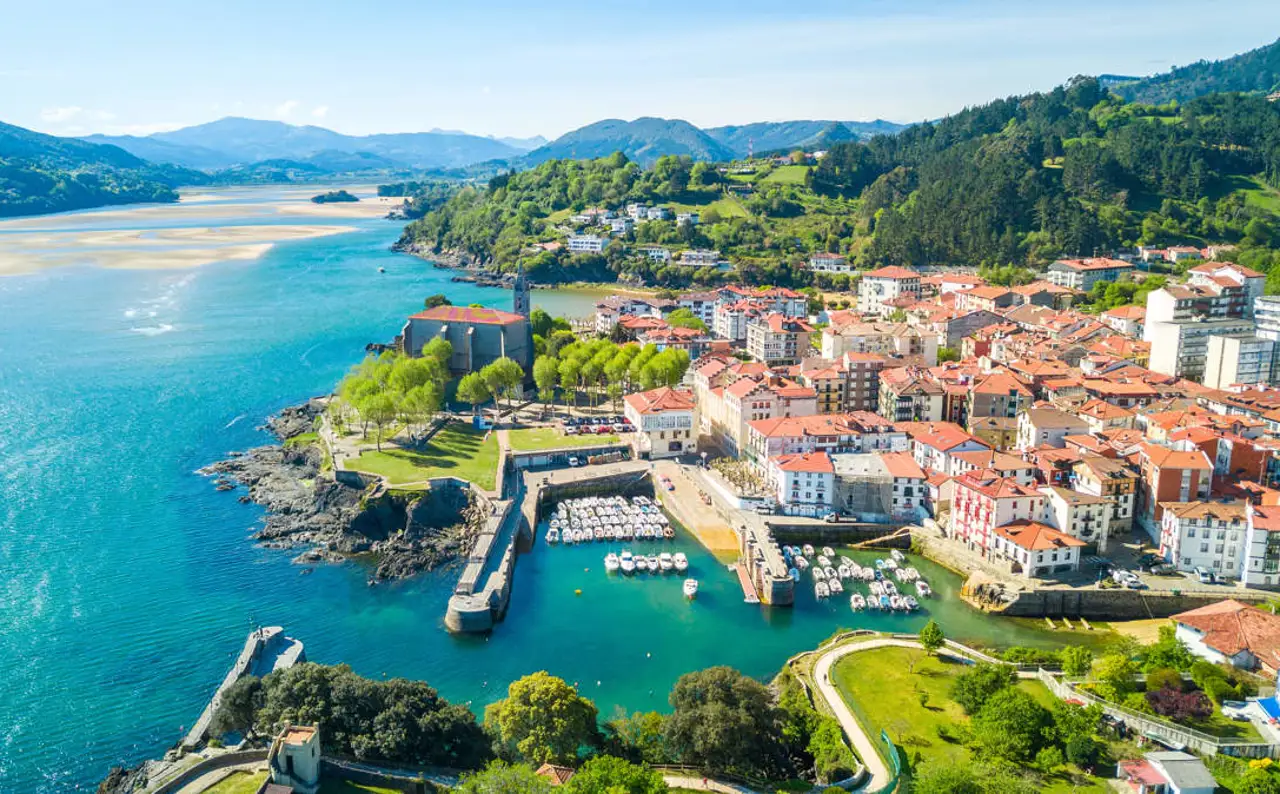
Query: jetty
{"type": "Point", "coordinates": [762, 563]}
{"type": "Point", "coordinates": [265, 650]}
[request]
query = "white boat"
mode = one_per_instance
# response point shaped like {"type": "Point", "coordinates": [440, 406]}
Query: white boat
{"type": "Point", "coordinates": [611, 563]}
{"type": "Point", "coordinates": [690, 588]}
{"type": "Point", "coordinates": [642, 564]}
{"type": "Point", "coordinates": [829, 572]}
{"type": "Point", "coordinates": [873, 602]}
{"type": "Point", "coordinates": [922, 588]}
{"type": "Point", "coordinates": [895, 602]}
{"type": "Point", "coordinates": [889, 587]}
{"type": "Point", "coordinates": [820, 590]}
{"type": "Point", "coordinates": [824, 560]}
{"type": "Point", "coordinates": [654, 565]}
{"type": "Point", "coordinates": [801, 563]}
{"type": "Point", "coordinates": [627, 562]}
{"type": "Point", "coordinates": [857, 603]}
{"type": "Point", "coordinates": [808, 550]}
{"type": "Point", "coordinates": [844, 572]}
{"type": "Point", "coordinates": [890, 565]}
{"type": "Point", "coordinates": [665, 561]}
{"type": "Point", "coordinates": [827, 550]}
{"type": "Point", "coordinates": [553, 535]}
{"type": "Point", "coordinates": [835, 586]}
{"type": "Point", "coordinates": [910, 603]}
{"type": "Point", "coordinates": [876, 589]}
{"type": "Point", "coordinates": [897, 555]}
{"type": "Point", "coordinates": [681, 562]}
{"type": "Point", "coordinates": [567, 537]}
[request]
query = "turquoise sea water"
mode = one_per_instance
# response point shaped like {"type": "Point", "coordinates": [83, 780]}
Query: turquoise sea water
{"type": "Point", "coordinates": [129, 583]}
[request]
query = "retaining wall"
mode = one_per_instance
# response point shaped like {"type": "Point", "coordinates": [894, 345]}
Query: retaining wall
{"type": "Point", "coordinates": [222, 761]}
{"type": "Point", "coordinates": [836, 533]}
{"type": "Point", "coordinates": [1116, 604]}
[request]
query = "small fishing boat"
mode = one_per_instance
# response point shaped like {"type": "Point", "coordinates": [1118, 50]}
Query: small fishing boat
{"type": "Point", "coordinates": [857, 603]}
{"type": "Point", "coordinates": [801, 563]}
{"type": "Point", "coordinates": [553, 536]}
{"type": "Point", "coordinates": [808, 550]}
{"type": "Point", "coordinates": [897, 555]}
{"type": "Point", "coordinates": [824, 560]}
{"type": "Point", "coordinates": [820, 590]}
{"type": "Point", "coordinates": [889, 588]}
{"type": "Point", "coordinates": [794, 573]}
{"type": "Point", "coordinates": [827, 550]}
{"type": "Point", "coordinates": [884, 602]}
{"type": "Point", "coordinates": [654, 565]}
{"type": "Point", "coordinates": [911, 603]}
{"type": "Point", "coordinates": [835, 586]}
{"type": "Point", "coordinates": [895, 602]}
{"type": "Point", "coordinates": [690, 588]}
{"type": "Point", "coordinates": [611, 563]}
{"type": "Point", "coordinates": [668, 533]}
{"type": "Point", "coordinates": [642, 564]}
{"type": "Point", "coordinates": [922, 589]}
{"type": "Point", "coordinates": [665, 561]}
{"type": "Point", "coordinates": [879, 565]}
{"type": "Point", "coordinates": [873, 602]}
{"type": "Point", "coordinates": [627, 562]}
{"type": "Point", "coordinates": [680, 561]}
{"type": "Point", "coordinates": [843, 571]}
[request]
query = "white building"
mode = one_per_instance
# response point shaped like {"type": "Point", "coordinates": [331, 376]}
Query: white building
{"type": "Point", "coordinates": [1230, 632]}
{"type": "Point", "coordinates": [804, 482]}
{"type": "Point", "coordinates": [656, 252]}
{"type": "Point", "coordinates": [665, 420]}
{"type": "Point", "coordinates": [587, 243]}
{"type": "Point", "coordinates": [687, 219]}
{"type": "Point", "coordinates": [1082, 516]}
{"type": "Point", "coordinates": [829, 263]}
{"type": "Point", "coordinates": [1048, 427]}
{"type": "Point", "coordinates": [1181, 349]}
{"type": "Point", "coordinates": [1238, 358]}
{"type": "Point", "coordinates": [658, 213]}
{"type": "Point", "coordinates": [777, 339]}
{"type": "Point", "coordinates": [700, 257]}
{"type": "Point", "coordinates": [1208, 535]}
{"type": "Point", "coordinates": [621, 225]}
{"type": "Point", "coordinates": [878, 287]}
{"type": "Point", "coordinates": [1033, 549]}
{"type": "Point", "coordinates": [1082, 274]}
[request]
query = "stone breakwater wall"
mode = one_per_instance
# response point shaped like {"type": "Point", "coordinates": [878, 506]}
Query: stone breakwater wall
{"type": "Point", "coordinates": [837, 533]}
{"type": "Point", "coordinates": [1117, 604]}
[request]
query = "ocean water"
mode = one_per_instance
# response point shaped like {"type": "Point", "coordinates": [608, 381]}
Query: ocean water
{"type": "Point", "coordinates": [127, 583]}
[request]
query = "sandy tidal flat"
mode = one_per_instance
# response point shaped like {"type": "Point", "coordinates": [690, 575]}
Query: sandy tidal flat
{"type": "Point", "coordinates": [147, 249]}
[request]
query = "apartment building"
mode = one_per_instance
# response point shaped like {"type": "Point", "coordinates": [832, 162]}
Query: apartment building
{"type": "Point", "coordinates": [1082, 274]}
{"type": "Point", "coordinates": [981, 502]}
{"type": "Point", "coordinates": [1181, 348]}
{"type": "Point", "coordinates": [877, 288]}
{"type": "Point", "coordinates": [1169, 475]}
{"type": "Point", "coordinates": [778, 339]}
{"type": "Point", "coordinates": [1210, 535]}
{"type": "Point", "coordinates": [908, 395]}
{"type": "Point", "coordinates": [1113, 479]}
{"type": "Point", "coordinates": [1083, 516]}
{"type": "Point", "coordinates": [1243, 359]}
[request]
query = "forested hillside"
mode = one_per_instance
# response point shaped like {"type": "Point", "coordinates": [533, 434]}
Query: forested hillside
{"type": "Point", "coordinates": [43, 173]}
{"type": "Point", "coordinates": [1074, 171]}
{"type": "Point", "coordinates": [1255, 71]}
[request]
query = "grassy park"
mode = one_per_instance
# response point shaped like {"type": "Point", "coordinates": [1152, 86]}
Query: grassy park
{"type": "Point", "coordinates": [456, 451]}
{"type": "Point", "coordinates": [787, 175]}
{"type": "Point", "coordinates": [533, 439]}
{"type": "Point", "coordinates": [238, 783]}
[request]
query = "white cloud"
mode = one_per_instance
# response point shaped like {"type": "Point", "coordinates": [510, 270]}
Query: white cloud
{"type": "Point", "coordinates": [286, 108]}
{"type": "Point", "coordinates": [60, 115]}
{"type": "Point", "coordinates": [320, 111]}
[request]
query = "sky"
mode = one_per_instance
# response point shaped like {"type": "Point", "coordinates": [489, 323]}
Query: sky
{"type": "Point", "coordinates": [509, 68]}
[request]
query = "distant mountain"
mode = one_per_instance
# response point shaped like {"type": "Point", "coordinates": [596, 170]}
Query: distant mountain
{"type": "Point", "coordinates": [1255, 71]}
{"type": "Point", "coordinates": [766, 136]}
{"type": "Point", "coordinates": [238, 141]}
{"type": "Point", "coordinates": [43, 173]}
{"type": "Point", "coordinates": [643, 140]}
{"type": "Point", "coordinates": [524, 144]}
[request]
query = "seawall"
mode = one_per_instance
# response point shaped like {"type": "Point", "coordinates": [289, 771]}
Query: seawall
{"type": "Point", "coordinates": [1116, 604]}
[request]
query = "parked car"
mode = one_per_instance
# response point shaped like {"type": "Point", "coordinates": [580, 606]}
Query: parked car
{"type": "Point", "coordinates": [833, 518]}
{"type": "Point", "coordinates": [1205, 575]}
{"type": "Point", "coordinates": [574, 462]}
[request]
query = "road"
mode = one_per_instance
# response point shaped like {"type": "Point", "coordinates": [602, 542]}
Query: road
{"type": "Point", "coordinates": [697, 516]}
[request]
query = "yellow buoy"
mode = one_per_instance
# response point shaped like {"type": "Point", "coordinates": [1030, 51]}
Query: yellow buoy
{"type": "Point", "coordinates": [577, 592]}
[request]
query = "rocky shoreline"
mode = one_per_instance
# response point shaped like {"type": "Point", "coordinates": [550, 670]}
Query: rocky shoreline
{"type": "Point", "coordinates": [329, 521]}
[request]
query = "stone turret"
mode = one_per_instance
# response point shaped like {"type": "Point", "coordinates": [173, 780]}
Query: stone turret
{"type": "Point", "coordinates": [520, 303]}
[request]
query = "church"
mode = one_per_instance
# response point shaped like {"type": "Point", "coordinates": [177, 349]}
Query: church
{"type": "Point", "coordinates": [479, 336]}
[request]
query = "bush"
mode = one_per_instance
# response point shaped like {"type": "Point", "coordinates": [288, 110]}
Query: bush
{"type": "Point", "coordinates": [1083, 751]}
{"type": "Point", "coordinates": [1020, 654]}
{"type": "Point", "coordinates": [1180, 706]}
{"type": "Point", "coordinates": [1164, 678]}
{"type": "Point", "coordinates": [975, 686]}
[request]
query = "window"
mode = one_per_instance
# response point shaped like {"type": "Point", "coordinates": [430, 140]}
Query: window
{"type": "Point", "coordinates": [1204, 548]}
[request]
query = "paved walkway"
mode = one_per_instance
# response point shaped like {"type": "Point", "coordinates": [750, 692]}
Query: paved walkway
{"type": "Point", "coordinates": [697, 516]}
{"type": "Point", "coordinates": [705, 784]}
{"type": "Point", "coordinates": [213, 777]}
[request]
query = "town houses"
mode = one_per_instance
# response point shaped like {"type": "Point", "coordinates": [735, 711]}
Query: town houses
{"type": "Point", "coordinates": [1041, 436]}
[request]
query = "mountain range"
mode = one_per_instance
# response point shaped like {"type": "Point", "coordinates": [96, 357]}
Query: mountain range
{"type": "Point", "coordinates": [1255, 71]}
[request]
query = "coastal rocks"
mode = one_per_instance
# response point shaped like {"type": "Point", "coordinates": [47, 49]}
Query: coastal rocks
{"type": "Point", "coordinates": [328, 521]}
{"type": "Point", "coordinates": [121, 780]}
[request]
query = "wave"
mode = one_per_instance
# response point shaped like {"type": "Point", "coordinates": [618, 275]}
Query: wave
{"type": "Point", "coordinates": [233, 421]}
{"type": "Point", "coordinates": [153, 330]}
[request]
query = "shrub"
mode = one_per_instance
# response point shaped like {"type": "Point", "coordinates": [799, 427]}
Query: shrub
{"type": "Point", "coordinates": [974, 687]}
{"type": "Point", "coordinates": [1180, 706]}
{"type": "Point", "coordinates": [1020, 654]}
{"type": "Point", "coordinates": [1164, 678]}
{"type": "Point", "coordinates": [1083, 751]}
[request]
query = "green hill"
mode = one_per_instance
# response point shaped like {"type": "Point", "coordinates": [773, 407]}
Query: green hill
{"type": "Point", "coordinates": [643, 140]}
{"type": "Point", "coordinates": [1256, 71]}
{"type": "Point", "coordinates": [44, 173]}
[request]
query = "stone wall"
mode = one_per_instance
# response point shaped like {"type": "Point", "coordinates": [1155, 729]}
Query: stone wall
{"type": "Point", "coordinates": [789, 533]}
{"type": "Point", "coordinates": [1115, 604]}
{"type": "Point", "coordinates": [220, 761]}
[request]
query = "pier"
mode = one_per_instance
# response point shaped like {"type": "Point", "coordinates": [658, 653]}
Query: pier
{"type": "Point", "coordinates": [762, 563]}
{"type": "Point", "coordinates": [266, 649]}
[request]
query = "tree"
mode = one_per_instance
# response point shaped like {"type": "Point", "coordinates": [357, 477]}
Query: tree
{"type": "Point", "coordinates": [502, 376]}
{"type": "Point", "coordinates": [1180, 706]}
{"type": "Point", "coordinates": [975, 686]}
{"type": "Point", "coordinates": [569, 371]}
{"type": "Point", "coordinates": [1083, 751]}
{"type": "Point", "coordinates": [238, 707]}
{"type": "Point", "coordinates": [543, 720]}
{"type": "Point", "coordinates": [946, 777]}
{"type": "Point", "coordinates": [608, 775]}
{"type": "Point", "coordinates": [685, 318]}
{"type": "Point", "coordinates": [637, 738]}
{"type": "Point", "coordinates": [1117, 676]}
{"type": "Point", "coordinates": [546, 375]}
{"type": "Point", "coordinates": [722, 720]}
{"type": "Point", "coordinates": [832, 758]}
{"type": "Point", "coordinates": [1071, 720]}
{"type": "Point", "coordinates": [439, 349]}
{"type": "Point", "coordinates": [379, 409]}
{"type": "Point", "coordinates": [1011, 725]}
{"type": "Point", "coordinates": [472, 389]}
{"type": "Point", "coordinates": [500, 777]}
{"type": "Point", "coordinates": [1076, 660]}
{"type": "Point", "coordinates": [1048, 759]}
{"type": "Point", "coordinates": [946, 354]}
{"type": "Point", "coordinates": [1258, 781]}
{"type": "Point", "coordinates": [433, 301]}
{"type": "Point", "coordinates": [931, 636]}
{"type": "Point", "coordinates": [1168, 651]}
{"type": "Point", "coordinates": [1164, 678]}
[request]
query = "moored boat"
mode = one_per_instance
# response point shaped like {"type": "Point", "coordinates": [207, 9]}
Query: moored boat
{"type": "Point", "coordinates": [808, 550]}
{"type": "Point", "coordinates": [922, 588]}
{"type": "Point", "coordinates": [857, 603]}
{"type": "Point", "coordinates": [680, 561]}
{"type": "Point", "coordinates": [665, 561]}
{"type": "Point", "coordinates": [835, 586]}
{"type": "Point", "coordinates": [553, 535]}
{"type": "Point", "coordinates": [827, 550]}
{"type": "Point", "coordinates": [897, 555]}
{"type": "Point", "coordinates": [611, 563]}
{"type": "Point", "coordinates": [690, 588]}
{"type": "Point", "coordinates": [627, 562]}
{"type": "Point", "coordinates": [820, 589]}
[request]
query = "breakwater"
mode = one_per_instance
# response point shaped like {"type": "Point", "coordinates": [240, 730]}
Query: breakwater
{"type": "Point", "coordinates": [265, 649]}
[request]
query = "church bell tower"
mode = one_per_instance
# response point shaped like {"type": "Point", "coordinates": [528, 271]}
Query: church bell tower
{"type": "Point", "coordinates": [520, 294]}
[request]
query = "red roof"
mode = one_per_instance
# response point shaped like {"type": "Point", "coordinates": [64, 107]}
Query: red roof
{"type": "Point", "coordinates": [817, 462]}
{"type": "Point", "coordinates": [1230, 627]}
{"type": "Point", "coordinates": [996, 487]}
{"type": "Point", "coordinates": [1097, 263]}
{"type": "Point", "coordinates": [1034, 536]}
{"type": "Point", "coordinates": [661, 399]}
{"type": "Point", "coordinates": [901, 464]}
{"type": "Point", "coordinates": [1126, 312]}
{"type": "Point", "coordinates": [468, 314]}
{"type": "Point", "coordinates": [893, 272]}
{"type": "Point", "coordinates": [1163, 457]}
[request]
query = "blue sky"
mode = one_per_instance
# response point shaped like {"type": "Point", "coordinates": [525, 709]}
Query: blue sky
{"type": "Point", "coordinates": [524, 68]}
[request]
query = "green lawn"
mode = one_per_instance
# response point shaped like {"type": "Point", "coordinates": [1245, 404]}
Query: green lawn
{"type": "Point", "coordinates": [727, 207]}
{"type": "Point", "coordinates": [788, 175]}
{"type": "Point", "coordinates": [456, 451]}
{"type": "Point", "coordinates": [535, 438]}
{"type": "Point", "coordinates": [239, 783]}
{"type": "Point", "coordinates": [302, 440]}
{"type": "Point", "coordinates": [883, 692]}
{"type": "Point", "coordinates": [559, 216]}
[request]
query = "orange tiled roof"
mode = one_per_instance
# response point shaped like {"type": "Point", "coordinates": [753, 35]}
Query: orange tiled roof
{"type": "Point", "coordinates": [1034, 536]}
{"type": "Point", "coordinates": [661, 399]}
{"type": "Point", "coordinates": [1230, 627]}
{"type": "Point", "coordinates": [816, 462]}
